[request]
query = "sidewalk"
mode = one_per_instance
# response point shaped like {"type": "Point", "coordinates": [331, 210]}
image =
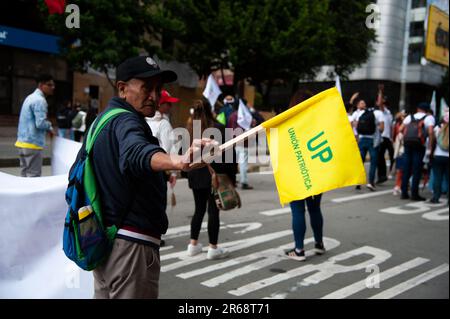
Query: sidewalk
{"type": "Point", "coordinates": [8, 152]}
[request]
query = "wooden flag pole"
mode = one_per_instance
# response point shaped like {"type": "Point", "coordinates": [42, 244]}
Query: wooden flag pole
{"type": "Point", "coordinates": [234, 141]}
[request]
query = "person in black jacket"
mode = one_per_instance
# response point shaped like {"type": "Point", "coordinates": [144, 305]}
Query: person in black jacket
{"type": "Point", "coordinates": [64, 117]}
{"type": "Point", "coordinates": [200, 183]}
{"type": "Point", "coordinates": [128, 164]}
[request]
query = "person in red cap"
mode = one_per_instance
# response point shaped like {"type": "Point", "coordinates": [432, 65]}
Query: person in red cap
{"type": "Point", "coordinates": [161, 127]}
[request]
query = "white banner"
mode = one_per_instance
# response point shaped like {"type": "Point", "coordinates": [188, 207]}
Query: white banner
{"type": "Point", "coordinates": [63, 155]}
{"type": "Point", "coordinates": [32, 211]}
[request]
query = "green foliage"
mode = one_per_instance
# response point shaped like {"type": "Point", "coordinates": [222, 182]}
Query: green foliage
{"type": "Point", "coordinates": [264, 40]}
{"type": "Point", "coordinates": [110, 31]}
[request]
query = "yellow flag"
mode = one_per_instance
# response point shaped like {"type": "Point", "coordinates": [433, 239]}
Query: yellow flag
{"type": "Point", "coordinates": [313, 149]}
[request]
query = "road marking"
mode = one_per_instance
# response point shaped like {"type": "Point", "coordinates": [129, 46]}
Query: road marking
{"type": "Point", "coordinates": [436, 215]}
{"type": "Point", "coordinates": [387, 274]}
{"type": "Point", "coordinates": [165, 248]}
{"type": "Point", "coordinates": [269, 256]}
{"type": "Point", "coordinates": [182, 231]}
{"type": "Point", "coordinates": [411, 208]}
{"type": "Point", "coordinates": [361, 196]}
{"type": "Point", "coordinates": [411, 283]}
{"type": "Point", "coordinates": [322, 271]}
{"type": "Point", "coordinates": [232, 246]}
{"type": "Point", "coordinates": [274, 212]}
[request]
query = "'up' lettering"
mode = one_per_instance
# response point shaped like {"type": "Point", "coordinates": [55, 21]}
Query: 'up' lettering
{"type": "Point", "coordinates": [324, 154]}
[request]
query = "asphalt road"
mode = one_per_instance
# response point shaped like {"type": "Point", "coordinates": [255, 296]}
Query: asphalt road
{"type": "Point", "coordinates": [377, 247]}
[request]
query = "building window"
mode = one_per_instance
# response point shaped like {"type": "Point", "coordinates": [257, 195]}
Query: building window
{"type": "Point", "coordinates": [415, 53]}
{"type": "Point", "coordinates": [416, 29]}
{"type": "Point", "coordinates": [418, 4]}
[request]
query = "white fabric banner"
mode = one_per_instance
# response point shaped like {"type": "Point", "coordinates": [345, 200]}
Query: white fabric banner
{"type": "Point", "coordinates": [32, 210]}
{"type": "Point", "coordinates": [64, 154]}
{"type": "Point", "coordinates": [212, 91]}
{"type": "Point", "coordinates": [245, 118]}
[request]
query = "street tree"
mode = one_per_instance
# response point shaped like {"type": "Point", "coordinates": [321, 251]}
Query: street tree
{"type": "Point", "coordinates": [109, 31]}
{"type": "Point", "coordinates": [265, 41]}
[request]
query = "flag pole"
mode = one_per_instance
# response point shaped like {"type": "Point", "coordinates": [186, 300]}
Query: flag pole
{"type": "Point", "coordinates": [232, 142]}
{"type": "Point", "coordinates": [241, 137]}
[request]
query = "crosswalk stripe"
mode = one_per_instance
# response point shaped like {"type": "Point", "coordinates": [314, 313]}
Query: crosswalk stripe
{"type": "Point", "coordinates": [361, 196]}
{"type": "Point", "coordinates": [232, 246]}
{"type": "Point", "coordinates": [361, 285]}
{"type": "Point", "coordinates": [271, 256]}
{"type": "Point", "coordinates": [274, 212]}
{"type": "Point", "coordinates": [411, 283]}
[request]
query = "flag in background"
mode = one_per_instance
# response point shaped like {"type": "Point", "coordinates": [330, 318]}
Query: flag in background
{"type": "Point", "coordinates": [444, 108]}
{"type": "Point", "coordinates": [245, 118]}
{"type": "Point", "coordinates": [313, 149]}
{"type": "Point", "coordinates": [212, 91]}
{"type": "Point", "coordinates": [338, 84]}
{"type": "Point", "coordinates": [55, 6]}
{"type": "Point", "coordinates": [433, 103]}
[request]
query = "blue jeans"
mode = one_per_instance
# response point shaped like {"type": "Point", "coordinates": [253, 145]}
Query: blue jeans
{"type": "Point", "coordinates": [299, 223]}
{"type": "Point", "coordinates": [440, 170]}
{"type": "Point", "coordinates": [365, 145]}
{"type": "Point", "coordinates": [413, 164]}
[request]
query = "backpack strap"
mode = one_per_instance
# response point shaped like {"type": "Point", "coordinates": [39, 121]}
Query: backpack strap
{"type": "Point", "coordinates": [92, 134]}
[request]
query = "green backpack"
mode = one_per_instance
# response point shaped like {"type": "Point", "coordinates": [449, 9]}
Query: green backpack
{"type": "Point", "coordinates": [86, 240]}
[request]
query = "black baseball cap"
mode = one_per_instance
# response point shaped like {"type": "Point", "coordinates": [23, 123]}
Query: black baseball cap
{"type": "Point", "coordinates": [142, 67]}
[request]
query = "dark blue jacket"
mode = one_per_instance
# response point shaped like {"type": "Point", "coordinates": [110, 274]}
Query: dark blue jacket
{"type": "Point", "coordinates": [121, 161]}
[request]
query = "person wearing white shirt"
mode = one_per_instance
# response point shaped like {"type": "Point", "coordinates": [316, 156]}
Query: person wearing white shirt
{"type": "Point", "coordinates": [369, 137]}
{"type": "Point", "coordinates": [162, 130]}
{"type": "Point", "coordinates": [440, 159]}
{"type": "Point", "coordinates": [386, 138]}
{"type": "Point", "coordinates": [414, 154]}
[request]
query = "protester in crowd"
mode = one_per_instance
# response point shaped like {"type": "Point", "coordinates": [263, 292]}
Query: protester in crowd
{"type": "Point", "coordinates": [162, 130]}
{"type": "Point", "coordinates": [369, 124]}
{"type": "Point", "coordinates": [350, 107]}
{"type": "Point", "coordinates": [414, 137]}
{"type": "Point", "coordinates": [200, 183]}
{"type": "Point", "coordinates": [242, 148]}
{"type": "Point", "coordinates": [91, 115]}
{"type": "Point", "coordinates": [33, 127]}
{"type": "Point", "coordinates": [227, 108]}
{"type": "Point", "coordinates": [298, 209]}
{"type": "Point", "coordinates": [386, 141]}
{"type": "Point", "coordinates": [79, 123]}
{"type": "Point", "coordinates": [64, 120]}
{"type": "Point", "coordinates": [399, 150]}
{"type": "Point", "coordinates": [128, 164]}
{"type": "Point", "coordinates": [440, 159]}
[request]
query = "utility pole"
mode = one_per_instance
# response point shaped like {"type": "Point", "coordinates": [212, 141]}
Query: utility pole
{"type": "Point", "coordinates": [402, 104]}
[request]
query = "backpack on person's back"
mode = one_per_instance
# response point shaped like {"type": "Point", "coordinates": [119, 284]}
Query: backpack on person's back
{"type": "Point", "coordinates": [86, 240]}
{"type": "Point", "coordinates": [366, 123]}
{"type": "Point", "coordinates": [414, 133]}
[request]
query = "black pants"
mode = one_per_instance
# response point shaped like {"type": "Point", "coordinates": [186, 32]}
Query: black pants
{"type": "Point", "coordinates": [386, 144]}
{"type": "Point", "coordinates": [203, 197]}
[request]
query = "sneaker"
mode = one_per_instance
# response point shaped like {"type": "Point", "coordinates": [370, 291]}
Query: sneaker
{"type": "Point", "coordinates": [404, 196]}
{"type": "Point", "coordinates": [418, 198]}
{"type": "Point", "coordinates": [434, 201]}
{"type": "Point", "coordinates": [319, 248]}
{"type": "Point", "coordinates": [295, 255]}
{"type": "Point", "coordinates": [193, 250]}
{"type": "Point", "coordinates": [397, 191]}
{"type": "Point", "coordinates": [381, 180]}
{"type": "Point", "coordinates": [371, 187]}
{"type": "Point", "coordinates": [358, 187]}
{"type": "Point", "coordinates": [216, 253]}
{"type": "Point", "coordinates": [246, 186]}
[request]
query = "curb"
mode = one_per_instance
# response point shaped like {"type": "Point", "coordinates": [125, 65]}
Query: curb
{"type": "Point", "coordinates": [14, 162]}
